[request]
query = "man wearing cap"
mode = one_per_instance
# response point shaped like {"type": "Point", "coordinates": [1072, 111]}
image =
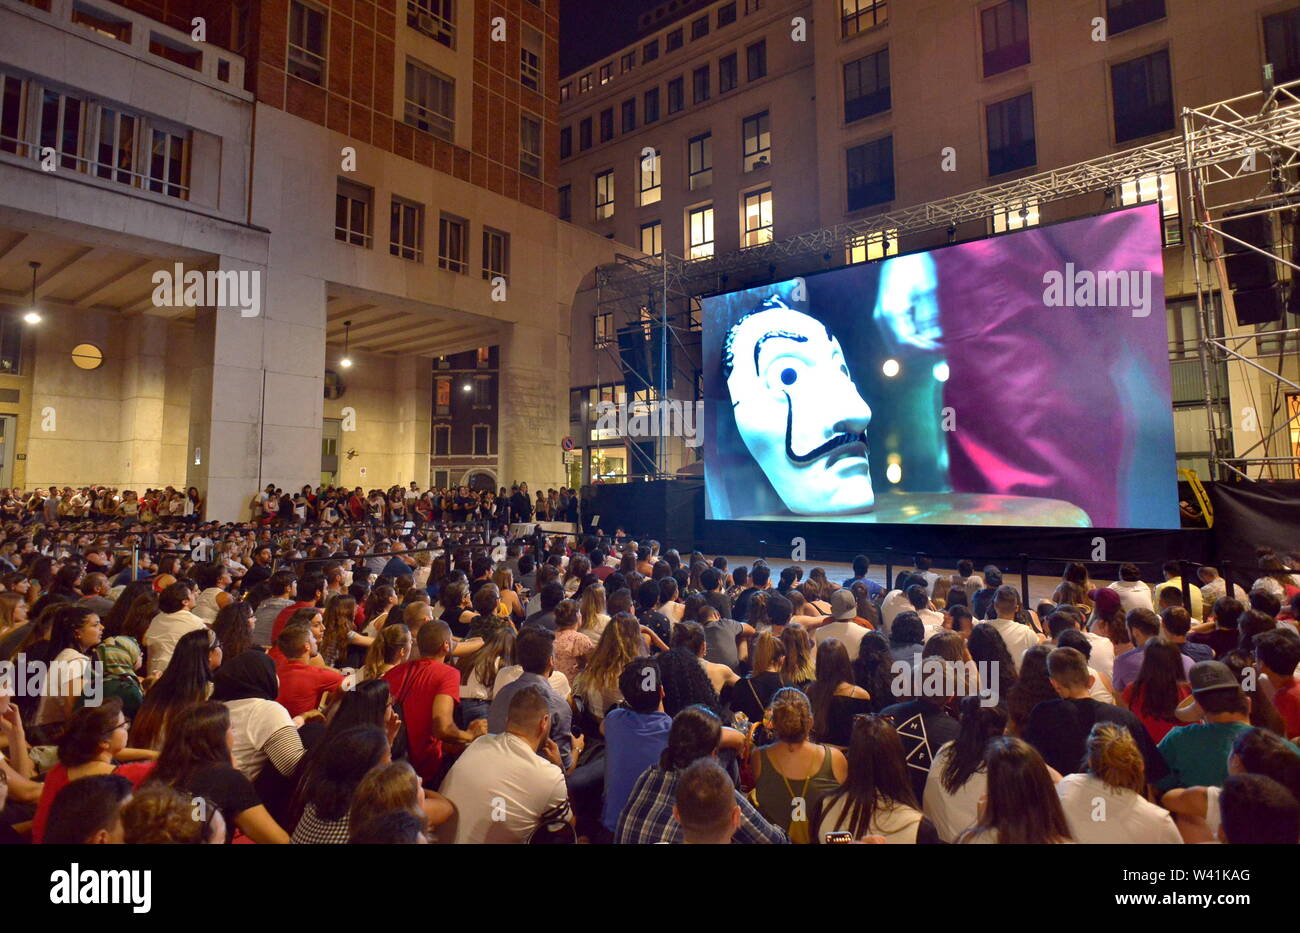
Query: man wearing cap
{"type": "Point", "coordinates": [844, 609]}
{"type": "Point", "coordinates": [1197, 754]}
{"type": "Point", "coordinates": [1143, 625]}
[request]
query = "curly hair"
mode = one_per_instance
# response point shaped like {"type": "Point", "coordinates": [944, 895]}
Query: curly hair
{"type": "Point", "coordinates": [1113, 756]}
{"type": "Point", "coordinates": [160, 815]}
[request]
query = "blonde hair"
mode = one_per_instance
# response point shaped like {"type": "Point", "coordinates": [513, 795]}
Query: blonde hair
{"type": "Point", "coordinates": [1114, 757]}
{"type": "Point", "coordinates": [768, 650]}
{"type": "Point", "coordinates": [8, 601]}
{"type": "Point", "coordinates": [619, 644]}
{"type": "Point", "coordinates": [394, 786]}
{"type": "Point", "coordinates": [504, 578]}
{"type": "Point", "coordinates": [592, 606]}
{"type": "Point", "coordinates": [384, 650]}
{"type": "Point", "coordinates": [799, 665]}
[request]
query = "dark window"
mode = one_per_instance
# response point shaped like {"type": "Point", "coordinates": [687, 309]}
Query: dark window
{"type": "Point", "coordinates": [700, 28]}
{"type": "Point", "coordinates": [650, 51]}
{"type": "Point", "coordinates": [1143, 98]}
{"type": "Point", "coordinates": [1125, 14]}
{"type": "Point", "coordinates": [676, 94]}
{"type": "Point", "coordinates": [584, 134]}
{"type": "Point", "coordinates": [860, 15]}
{"type": "Point", "coordinates": [871, 173]}
{"type": "Point", "coordinates": [607, 124]}
{"type": "Point", "coordinates": [1282, 45]}
{"type": "Point", "coordinates": [699, 158]}
{"type": "Point", "coordinates": [566, 142]}
{"type": "Point", "coordinates": [700, 85]}
{"type": "Point", "coordinates": [866, 86]}
{"type": "Point", "coordinates": [629, 115]}
{"type": "Point", "coordinates": [566, 202]}
{"type": "Point", "coordinates": [727, 73]}
{"type": "Point", "coordinates": [673, 41]}
{"type": "Point", "coordinates": [1006, 36]}
{"type": "Point", "coordinates": [1011, 134]}
{"type": "Point", "coordinates": [726, 15]}
{"type": "Point", "coordinates": [756, 60]}
{"type": "Point", "coordinates": [651, 107]}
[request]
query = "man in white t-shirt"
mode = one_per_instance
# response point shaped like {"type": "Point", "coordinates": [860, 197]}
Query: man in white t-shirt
{"type": "Point", "coordinates": [173, 621]}
{"type": "Point", "coordinates": [501, 784]}
{"type": "Point", "coordinates": [844, 609]}
{"type": "Point", "coordinates": [896, 599]}
{"type": "Point", "coordinates": [1019, 637]}
{"type": "Point", "coordinates": [1133, 593]}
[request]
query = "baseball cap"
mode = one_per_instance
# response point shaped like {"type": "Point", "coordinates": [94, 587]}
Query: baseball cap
{"type": "Point", "coordinates": [843, 605]}
{"type": "Point", "coordinates": [1206, 676]}
{"type": "Point", "coordinates": [1106, 600]}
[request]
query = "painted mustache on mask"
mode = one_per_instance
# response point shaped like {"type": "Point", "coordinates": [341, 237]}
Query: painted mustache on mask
{"type": "Point", "coordinates": [816, 453]}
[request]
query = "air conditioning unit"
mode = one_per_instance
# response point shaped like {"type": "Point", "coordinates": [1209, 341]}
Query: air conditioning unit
{"type": "Point", "coordinates": [425, 23]}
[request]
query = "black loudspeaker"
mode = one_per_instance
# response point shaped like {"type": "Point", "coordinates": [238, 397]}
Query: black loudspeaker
{"type": "Point", "coordinates": [1252, 276]}
{"type": "Point", "coordinates": [632, 351]}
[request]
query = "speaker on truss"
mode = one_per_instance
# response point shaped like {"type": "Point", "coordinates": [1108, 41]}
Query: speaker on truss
{"type": "Point", "coordinates": [632, 347]}
{"type": "Point", "coordinates": [1252, 276]}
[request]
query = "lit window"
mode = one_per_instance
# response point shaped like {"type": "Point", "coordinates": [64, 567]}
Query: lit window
{"type": "Point", "coordinates": [758, 218]}
{"type": "Point", "coordinates": [700, 161]}
{"type": "Point", "coordinates": [869, 246]}
{"type": "Point", "coordinates": [651, 183]}
{"type": "Point", "coordinates": [757, 136]}
{"type": "Point", "coordinates": [860, 15]}
{"type": "Point", "coordinates": [606, 73]}
{"type": "Point", "coordinates": [1162, 188]}
{"type": "Point", "coordinates": [1015, 216]}
{"type": "Point", "coordinates": [605, 195]}
{"type": "Point", "coordinates": [652, 238]}
{"type": "Point", "coordinates": [700, 227]}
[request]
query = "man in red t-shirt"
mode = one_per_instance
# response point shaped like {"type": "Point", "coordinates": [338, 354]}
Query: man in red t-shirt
{"type": "Point", "coordinates": [1278, 652]}
{"type": "Point", "coordinates": [310, 589]}
{"type": "Point", "coordinates": [427, 691]}
{"type": "Point", "coordinates": [302, 685]}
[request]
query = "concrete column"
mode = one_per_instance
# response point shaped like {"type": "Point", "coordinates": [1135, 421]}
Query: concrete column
{"type": "Point", "coordinates": [534, 406]}
{"type": "Point", "coordinates": [141, 421]}
{"type": "Point", "coordinates": [257, 393]}
{"type": "Point", "coordinates": [414, 397]}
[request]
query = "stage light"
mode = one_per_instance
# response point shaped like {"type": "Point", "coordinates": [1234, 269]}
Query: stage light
{"type": "Point", "coordinates": [941, 372]}
{"type": "Point", "coordinates": [894, 473]}
{"type": "Point", "coordinates": [890, 369]}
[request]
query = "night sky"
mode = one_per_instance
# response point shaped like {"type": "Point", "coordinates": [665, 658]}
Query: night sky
{"type": "Point", "coordinates": [592, 29]}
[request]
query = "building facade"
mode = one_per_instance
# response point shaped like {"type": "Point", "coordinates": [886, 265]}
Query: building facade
{"type": "Point", "coordinates": [381, 175]}
{"type": "Point", "coordinates": [874, 105]}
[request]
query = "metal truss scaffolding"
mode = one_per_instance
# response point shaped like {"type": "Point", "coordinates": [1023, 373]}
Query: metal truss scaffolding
{"type": "Point", "coordinates": [1234, 154]}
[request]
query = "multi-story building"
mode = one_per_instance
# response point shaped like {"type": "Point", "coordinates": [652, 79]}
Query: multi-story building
{"type": "Point", "coordinates": [384, 173]}
{"type": "Point", "coordinates": [880, 104]}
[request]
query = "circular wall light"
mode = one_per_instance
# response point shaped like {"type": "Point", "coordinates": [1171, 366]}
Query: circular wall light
{"type": "Point", "coordinates": [87, 356]}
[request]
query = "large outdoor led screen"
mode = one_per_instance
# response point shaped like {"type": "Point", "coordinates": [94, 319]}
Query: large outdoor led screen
{"type": "Point", "coordinates": [1017, 380]}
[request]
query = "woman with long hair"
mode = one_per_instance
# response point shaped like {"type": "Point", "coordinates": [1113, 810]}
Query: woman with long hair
{"type": "Point", "coordinates": [592, 609]}
{"type": "Point", "coordinates": [504, 578]}
{"type": "Point", "coordinates": [75, 632]}
{"type": "Point", "coordinates": [341, 635]}
{"type": "Point", "coordinates": [1160, 686]}
{"type": "Point", "coordinates": [378, 602]}
{"type": "Point", "coordinates": [989, 652]}
{"type": "Point", "coordinates": [390, 648]}
{"type": "Point", "coordinates": [1032, 687]}
{"type": "Point", "coordinates": [396, 786]}
{"type": "Point", "coordinates": [873, 670]}
{"type": "Point", "coordinates": [478, 671]}
{"type": "Point", "coordinates": [1114, 785]}
{"type": "Point", "coordinates": [753, 693]}
{"type": "Point", "coordinates": [13, 613]}
{"type": "Point", "coordinates": [958, 776]}
{"type": "Point", "coordinates": [329, 782]}
{"type": "Point", "coordinates": [186, 680]}
{"type": "Point", "coordinates": [876, 798]}
{"type": "Point", "coordinates": [196, 760]}
{"type": "Point", "coordinates": [620, 644]}
{"type": "Point", "coordinates": [1021, 806]}
{"type": "Point", "coordinates": [234, 629]}
{"type": "Point", "coordinates": [794, 766]}
{"type": "Point", "coordinates": [799, 667]}
{"type": "Point", "coordinates": [836, 699]}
